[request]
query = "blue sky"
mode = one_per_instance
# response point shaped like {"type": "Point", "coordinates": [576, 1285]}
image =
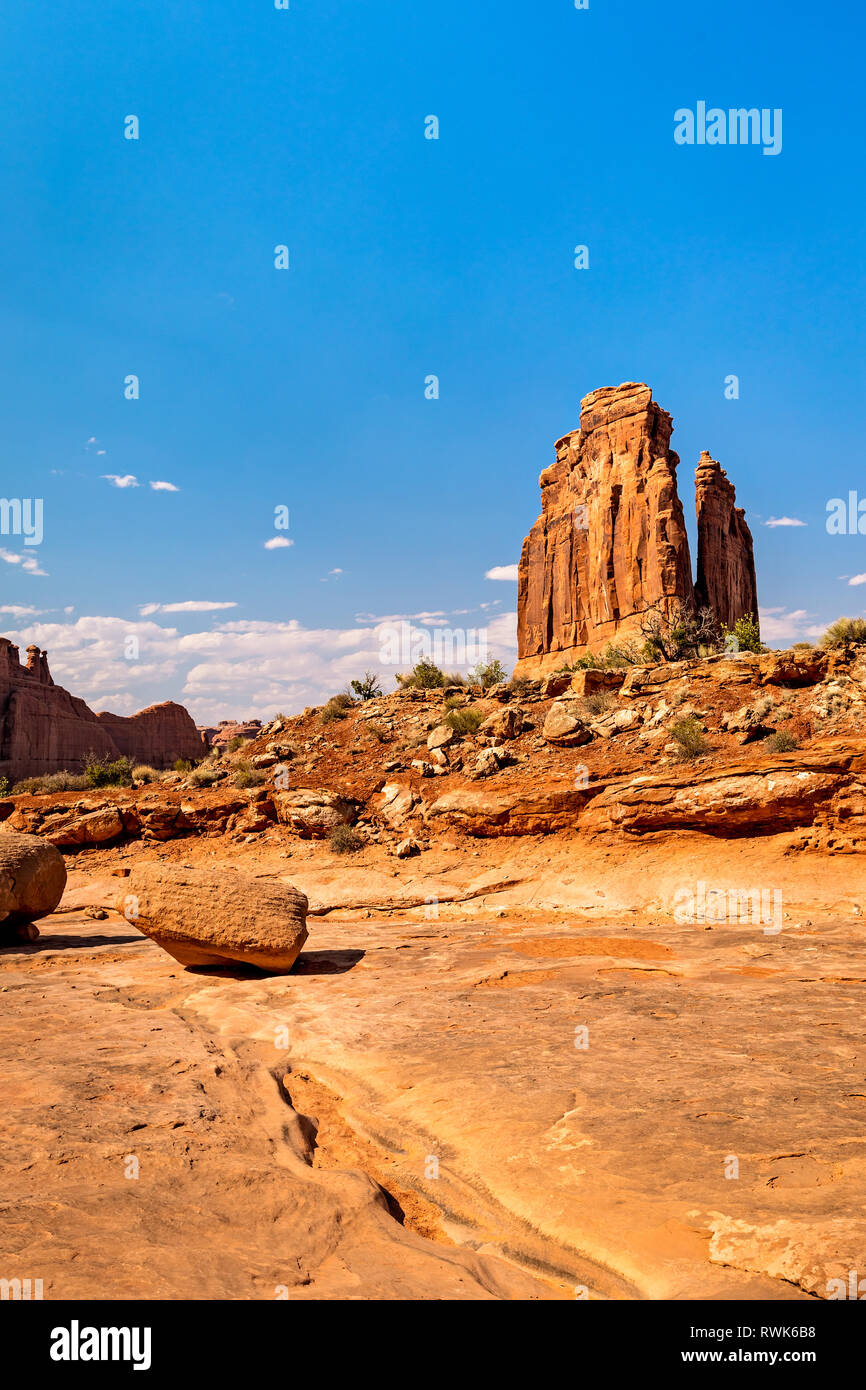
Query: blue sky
{"type": "Point", "coordinates": [408, 257]}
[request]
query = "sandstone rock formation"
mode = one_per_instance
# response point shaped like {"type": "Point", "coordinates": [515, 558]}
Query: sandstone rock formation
{"type": "Point", "coordinates": [611, 541]}
{"type": "Point", "coordinates": [32, 879]}
{"type": "Point", "coordinates": [314, 814]}
{"type": "Point", "coordinates": [45, 729]}
{"type": "Point", "coordinates": [211, 917]}
{"type": "Point", "coordinates": [726, 566]}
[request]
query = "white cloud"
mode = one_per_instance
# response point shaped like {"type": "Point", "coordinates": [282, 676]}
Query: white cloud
{"type": "Point", "coordinates": [780, 625]}
{"type": "Point", "coordinates": [191, 605]}
{"type": "Point", "coordinates": [164, 487]}
{"type": "Point", "coordinates": [856, 579]}
{"type": "Point", "coordinates": [278, 543]}
{"type": "Point", "coordinates": [508, 572]}
{"type": "Point", "coordinates": [238, 668]}
{"type": "Point", "coordinates": [18, 611]}
{"type": "Point", "coordinates": [28, 563]}
{"type": "Point", "coordinates": [126, 480]}
{"type": "Point", "coordinates": [784, 521]}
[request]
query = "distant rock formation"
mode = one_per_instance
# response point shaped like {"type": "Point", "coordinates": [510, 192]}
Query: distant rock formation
{"type": "Point", "coordinates": [726, 564]}
{"type": "Point", "coordinates": [611, 541]}
{"type": "Point", "coordinates": [45, 729]}
{"type": "Point", "coordinates": [218, 735]}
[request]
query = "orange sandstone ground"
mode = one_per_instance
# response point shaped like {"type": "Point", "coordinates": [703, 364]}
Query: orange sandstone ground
{"type": "Point", "coordinates": [507, 1066]}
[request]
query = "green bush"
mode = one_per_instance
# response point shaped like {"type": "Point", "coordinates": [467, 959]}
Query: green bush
{"type": "Point", "coordinates": [182, 765]}
{"type": "Point", "coordinates": [780, 742]}
{"type": "Point", "coordinates": [245, 775]}
{"type": "Point", "coordinates": [463, 721]}
{"type": "Point", "coordinates": [845, 631]}
{"type": "Point", "coordinates": [101, 772]}
{"type": "Point", "coordinates": [345, 840]}
{"type": "Point", "coordinates": [487, 674]}
{"type": "Point", "coordinates": [235, 743]}
{"type": "Point", "coordinates": [368, 687]}
{"type": "Point", "coordinates": [744, 636]}
{"type": "Point", "coordinates": [4, 786]}
{"type": "Point", "coordinates": [689, 737]}
{"type": "Point", "coordinates": [425, 675]}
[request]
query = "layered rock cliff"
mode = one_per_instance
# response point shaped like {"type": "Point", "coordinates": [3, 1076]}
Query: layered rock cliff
{"type": "Point", "coordinates": [45, 729]}
{"type": "Point", "coordinates": [611, 541]}
{"type": "Point", "coordinates": [726, 564]}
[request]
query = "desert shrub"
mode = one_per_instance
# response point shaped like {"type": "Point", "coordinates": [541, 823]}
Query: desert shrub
{"type": "Point", "coordinates": [463, 721]}
{"type": "Point", "coordinates": [142, 772]}
{"type": "Point", "coordinates": [345, 840]}
{"type": "Point", "coordinates": [379, 733]}
{"type": "Point", "coordinates": [245, 775]}
{"type": "Point", "coordinates": [675, 632]}
{"type": "Point", "coordinates": [336, 707]}
{"type": "Point", "coordinates": [487, 673]}
{"type": "Point", "coordinates": [104, 772]}
{"type": "Point", "coordinates": [781, 742]}
{"type": "Point", "coordinates": [844, 631]}
{"type": "Point", "coordinates": [626, 653]}
{"type": "Point", "coordinates": [235, 743]}
{"type": "Point", "coordinates": [204, 776]}
{"type": "Point", "coordinates": [54, 782]}
{"type": "Point", "coordinates": [689, 737]}
{"type": "Point", "coordinates": [425, 675]}
{"type": "Point", "coordinates": [4, 786]}
{"type": "Point", "coordinates": [744, 636]}
{"type": "Point", "coordinates": [521, 686]}
{"type": "Point", "coordinates": [763, 706]}
{"type": "Point", "coordinates": [598, 703]}
{"type": "Point", "coordinates": [182, 765]}
{"type": "Point", "coordinates": [367, 688]}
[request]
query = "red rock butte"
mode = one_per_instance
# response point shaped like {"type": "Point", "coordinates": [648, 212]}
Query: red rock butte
{"type": "Point", "coordinates": [45, 729]}
{"type": "Point", "coordinates": [611, 541]}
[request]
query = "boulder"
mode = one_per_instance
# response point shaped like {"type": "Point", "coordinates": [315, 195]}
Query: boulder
{"type": "Point", "coordinates": [32, 880]}
{"type": "Point", "coordinates": [488, 761]}
{"type": "Point", "coordinates": [440, 737]}
{"type": "Point", "coordinates": [312, 813]}
{"type": "Point", "coordinates": [396, 804]}
{"type": "Point", "coordinates": [503, 723]}
{"type": "Point", "coordinates": [585, 683]}
{"type": "Point", "coordinates": [216, 917]}
{"type": "Point", "coordinates": [565, 728]}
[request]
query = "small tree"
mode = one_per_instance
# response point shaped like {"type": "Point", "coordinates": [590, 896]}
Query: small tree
{"type": "Point", "coordinates": [425, 675]}
{"type": "Point", "coordinates": [674, 631]}
{"type": "Point", "coordinates": [744, 636]}
{"type": "Point", "coordinates": [487, 673]}
{"type": "Point", "coordinates": [368, 688]}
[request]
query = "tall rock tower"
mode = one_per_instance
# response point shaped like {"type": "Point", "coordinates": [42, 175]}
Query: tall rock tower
{"type": "Point", "coordinates": [611, 540]}
{"type": "Point", "coordinates": [726, 564]}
